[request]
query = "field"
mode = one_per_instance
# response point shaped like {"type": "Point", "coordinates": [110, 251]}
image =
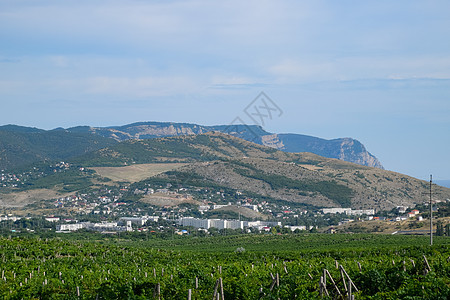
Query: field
{"type": "Point", "coordinates": [131, 266]}
{"type": "Point", "coordinates": [23, 198]}
{"type": "Point", "coordinates": [136, 172]}
{"type": "Point", "coordinates": [162, 199]}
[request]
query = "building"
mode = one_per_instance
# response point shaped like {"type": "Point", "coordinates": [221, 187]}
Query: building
{"type": "Point", "coordinates": [411, 215]}
{"type": "Point", "coordinates": [293, 228]}
{"type": "Point", "coordinates": [69, 227]}
{"type": "Point", "coordinates": [348, 211]}
{"type": "Point", "coordinates": [194, 222]}
{"type": "Point", "coordinates": [402, 209]}
{"type": "Point", "coordinates": [139, 221]}
{"type": "Point", "coordinates": [52, 219]}
{"type": "Point", "coordinates": [336, 210]}
{"type": "Point", "coordinates": [224, 224]}
{"type": "Point", "coordinates": [217, 206]}
{"type": "Point", "coordinates": [102, 227]}
{"type": "Point", "coordinates": [203, 207]}
{"type": "Point", "coordinates": [359, 212]}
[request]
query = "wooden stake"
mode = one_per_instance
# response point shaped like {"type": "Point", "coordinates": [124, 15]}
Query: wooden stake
{"type": "Point", "coordinates": [426, 263]}
{"type": "Point", "coordinates": [215, 289]}
{"type": "Point", "coordinates": [334, 284]}
{"type": "Point", "coordinates": [221, 288]}
{"type": "Point", "coordinates": [349, 279]}
{"type": "Point", "coordinates": [272, 285]}
{"type": "Point", "coordinates": [343, 280]}
{"type": "Point", "coordinates": [350, 283]}
{"type": "Point", "coordinates": [323, 286]}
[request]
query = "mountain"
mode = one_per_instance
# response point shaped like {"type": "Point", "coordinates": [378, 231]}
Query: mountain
{"type": "Point", "coordinates": [219, 160]}
{"type": "Point", "coordinates": [16, 128]}
{"type": "Point", "coordinates": [346, 149]}
{"type": "Point", "coordinates": [21, 146]}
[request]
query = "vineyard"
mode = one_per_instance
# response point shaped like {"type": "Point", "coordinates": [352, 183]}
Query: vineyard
{"type": "Point", "coordinates": [236, 267]}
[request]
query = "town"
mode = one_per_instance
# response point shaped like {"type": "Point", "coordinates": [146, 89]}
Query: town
{"type": "Point", "coordinates": [126, 207]}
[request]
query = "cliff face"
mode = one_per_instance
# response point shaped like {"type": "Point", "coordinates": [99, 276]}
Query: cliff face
{"type": "Point", "coordinates": [346, 149]}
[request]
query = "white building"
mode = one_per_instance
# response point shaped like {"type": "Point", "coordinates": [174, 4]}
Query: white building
{"type": "Point", "coordinates": [52, 219]}
{"type": "Point", "coordinates": [260, 224]}
{"type": "Point", "coordinates": [222, 224]}
{"type": "Point", "coordinates": [194, 222]}
{"type": "Point", "coordinates": [336, 210]}
{"type": "Point", "coordinates": [139, 221]}
{"type": "Point", "coordinates": [217, 206]}
{"type": "Point", "coordinates": [69, 227]}
{"type": "Point", "coordinates": [359, 212]}
{"type": "Point", "coordinates": [203, 207]}
{"type": "Point", "coordinates": [293, 228]}
{"type": "Point", "coordinates": [348, 211]}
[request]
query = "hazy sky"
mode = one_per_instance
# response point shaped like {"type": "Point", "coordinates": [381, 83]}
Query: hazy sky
{"type": "Point", "coordinates": [377, 71]}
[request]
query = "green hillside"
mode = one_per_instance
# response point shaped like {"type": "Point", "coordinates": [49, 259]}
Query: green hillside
{"type": "Point", "coordinates": [192, 148]}
{"type": "Point", "coordinates": [225, 163]}
{"type": "Point", "coordinates": [22, 146]}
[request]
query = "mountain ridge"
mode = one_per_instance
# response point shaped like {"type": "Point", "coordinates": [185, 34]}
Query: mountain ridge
{"type": "Point", "coordinates": [22, 145]}
{"type": "Point", "coordinates": [218, 159]}
{"type": "Point", "coordinates": [347, 149]}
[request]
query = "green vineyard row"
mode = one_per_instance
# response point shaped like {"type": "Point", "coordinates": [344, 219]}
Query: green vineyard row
{"type": "Point", "coordinates": [380, 267]}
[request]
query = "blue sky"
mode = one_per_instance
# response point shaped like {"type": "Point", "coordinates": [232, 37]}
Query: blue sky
{"type": "Point", "coordinates": [377, 71]}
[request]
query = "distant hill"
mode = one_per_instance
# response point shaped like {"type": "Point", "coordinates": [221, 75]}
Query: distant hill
{"type": "Point", "coordinates": [21, 146]}
{"type": "Point", "coordinates": [346, 149]}
{"type": "Point", "coordinates": [16, 128]}
{"type": "Point", "coordinates": [24, 145]}
{"type": "Point", "coordinates": [220, 160]}
{"type": "Point", "coordinates": [212, 159]}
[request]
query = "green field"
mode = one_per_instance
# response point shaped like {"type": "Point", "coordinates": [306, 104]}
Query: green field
{"type": "Point", "coordinates": [136, 267]}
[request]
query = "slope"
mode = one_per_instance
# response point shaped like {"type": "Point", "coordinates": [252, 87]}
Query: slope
{"type": "Point", "coordinates": [220, 160]}
{"type": "Point", "coordinates": [21, 146]}
{"type": "Point", "coordinates": [347, 149]}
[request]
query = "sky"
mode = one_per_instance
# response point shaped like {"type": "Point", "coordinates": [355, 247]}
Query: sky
{"type": "Point", "coordinates": [377, 71]}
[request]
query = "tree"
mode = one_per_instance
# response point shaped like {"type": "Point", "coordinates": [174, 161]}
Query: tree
{"type": "Point", "coordinates": [439, 228]}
